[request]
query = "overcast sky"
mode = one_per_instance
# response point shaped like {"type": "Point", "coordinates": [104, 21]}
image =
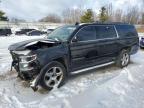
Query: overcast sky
{"type": "Point", "coordinates": [36, 9]}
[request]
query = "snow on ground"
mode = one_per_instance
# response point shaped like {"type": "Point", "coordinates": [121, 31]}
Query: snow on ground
{"type": "Point", "coordinates": [141, 34]}
{"type": "Point", "coordinates": [107, 87]}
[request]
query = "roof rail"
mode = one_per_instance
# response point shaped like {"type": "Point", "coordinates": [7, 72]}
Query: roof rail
{"type": "Point", "coordinates": [99, 22]}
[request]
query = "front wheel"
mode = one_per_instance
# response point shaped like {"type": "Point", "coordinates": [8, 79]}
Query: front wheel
{"type": "Point", "coordinates": [123, 59]}
{"type": "Point", "coordinates": [54, 75]}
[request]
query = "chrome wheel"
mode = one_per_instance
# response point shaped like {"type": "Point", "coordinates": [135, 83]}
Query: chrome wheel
{"type": "Point", "coordinates": [53, 76]}
{"type": "Point", "coordinates": [125, 59]}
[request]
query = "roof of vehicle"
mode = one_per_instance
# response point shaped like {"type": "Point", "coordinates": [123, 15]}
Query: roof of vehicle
{"type": "Point", "coordinates": [105, 23]}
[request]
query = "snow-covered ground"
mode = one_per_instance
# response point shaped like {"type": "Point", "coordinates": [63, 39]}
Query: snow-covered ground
{"type": "Point", "coordinates": [107, 87]}
{"type": "Point", "coordinates": [141, 34]}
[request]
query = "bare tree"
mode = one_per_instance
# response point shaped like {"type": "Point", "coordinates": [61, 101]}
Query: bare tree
{"type": "Point", "coordinates": [54, 18]}
{"type": "Point", "coordinates": [132, 15]}
{"type": "Point", "coordinates": [96, 16]}
{"type": "Point", "coordinates": [72, 15]}
{"type": "Point", "coordinates": [118, 15]}
{"type": "Point", "coordinates": [142, 19]}
{"type": "Point", "coordinates": [142, 13]}
{"type": "Point", "coordinates": [110, 12]}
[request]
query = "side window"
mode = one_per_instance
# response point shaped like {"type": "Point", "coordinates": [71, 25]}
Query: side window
{"type": "Point", "coordinates": [86, 33]}
{"type": "Point", "coordinates": [103, 32]}
{"type": "Point", "coordinates": [126, 30]}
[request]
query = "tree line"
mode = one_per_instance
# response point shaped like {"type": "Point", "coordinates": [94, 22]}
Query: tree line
{"type": "Point", "coordinates": [132, 15]}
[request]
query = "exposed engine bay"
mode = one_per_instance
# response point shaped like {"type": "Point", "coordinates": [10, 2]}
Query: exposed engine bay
{"type": "Point", "coordinates": [40, 45]}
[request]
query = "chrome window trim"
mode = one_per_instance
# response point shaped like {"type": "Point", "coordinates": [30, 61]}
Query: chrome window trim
{"type": "Point", "coordinates": [116, 32]}
{"type": "Point", "coordinates": [117, 36]}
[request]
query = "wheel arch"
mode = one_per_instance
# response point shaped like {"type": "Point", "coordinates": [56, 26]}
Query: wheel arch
{"type": "Point", "coordinates": [128, 48]}
{"type": "Point", "coordinates": [62, 60]}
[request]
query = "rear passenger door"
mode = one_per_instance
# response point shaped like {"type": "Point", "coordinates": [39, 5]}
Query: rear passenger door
{"type": "Point", "coordinates": [106, 37]}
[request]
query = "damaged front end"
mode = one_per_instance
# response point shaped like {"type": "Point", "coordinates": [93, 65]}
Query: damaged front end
{"type": "Point", "coordinates": [26, 62]}
{"type": "Point", "coordinates": [27, 67]}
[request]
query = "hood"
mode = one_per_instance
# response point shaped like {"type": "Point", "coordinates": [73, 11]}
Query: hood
{"type": "Point", "coordinates": [27, 44]}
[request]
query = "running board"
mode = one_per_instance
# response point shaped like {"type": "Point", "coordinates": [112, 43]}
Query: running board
{"type": "Point", "coordinates": [90, 68]}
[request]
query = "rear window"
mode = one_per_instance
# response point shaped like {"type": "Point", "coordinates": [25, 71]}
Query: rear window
{"type": "Point", "coordinates": [126, 30]}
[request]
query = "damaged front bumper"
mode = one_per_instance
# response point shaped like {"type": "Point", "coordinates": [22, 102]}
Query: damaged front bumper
{"type": "Point", "coordinates": [34, 84]}
{"type": "Point", "coordinates": [32, 76]}
{"type": "Point", "coordinates": [27, 67]}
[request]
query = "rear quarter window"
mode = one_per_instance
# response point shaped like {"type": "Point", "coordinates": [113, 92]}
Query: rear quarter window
{"type": "Point", "coordinates": [126, 31]}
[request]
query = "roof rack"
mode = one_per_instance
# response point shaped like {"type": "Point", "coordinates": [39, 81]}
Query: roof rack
{"type": "Point", "coordinates": [99, 22]}
{"type": "Point", "coordinates": [103, 23]}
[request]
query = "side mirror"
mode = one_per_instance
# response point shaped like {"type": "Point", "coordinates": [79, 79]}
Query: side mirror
{"type": "Point", "coordinates": [75, 39]}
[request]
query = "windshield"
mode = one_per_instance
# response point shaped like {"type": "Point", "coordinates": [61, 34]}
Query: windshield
{"type": "Point", "coordinates": [61, 33]}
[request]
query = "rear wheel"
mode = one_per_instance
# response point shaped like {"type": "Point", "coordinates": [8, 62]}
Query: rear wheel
{"type": "Point", "coordinates": [54, 75]}
{"type": "Point", "coordinates": [123, 59]}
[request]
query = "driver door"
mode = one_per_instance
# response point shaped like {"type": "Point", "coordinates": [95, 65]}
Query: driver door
{"type": "Point", "coordinates": [84, 50]}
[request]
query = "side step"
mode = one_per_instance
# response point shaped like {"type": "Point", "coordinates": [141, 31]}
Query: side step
{"type": "Point", "coordinates": [90, 68]}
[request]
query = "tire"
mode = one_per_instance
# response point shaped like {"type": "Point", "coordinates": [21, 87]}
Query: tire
{"type": "Point", "coordinates": [54, 75]}
{"type": "Point", "coordinates": [123, 59]}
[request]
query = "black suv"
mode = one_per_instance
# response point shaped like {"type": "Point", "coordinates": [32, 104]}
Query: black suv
{"type": "Point", "coordinates": [5, 32]}
{"type": "Point", "coordinates": [23, 31]}
{"type": "Point", "coordinates": [72, 49]}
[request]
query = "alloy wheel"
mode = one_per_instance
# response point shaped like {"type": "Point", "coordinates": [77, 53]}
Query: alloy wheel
{"type": "Point", "coordinates": [53, 77]}
{"type": "Point", "coordinates": [125, 59]}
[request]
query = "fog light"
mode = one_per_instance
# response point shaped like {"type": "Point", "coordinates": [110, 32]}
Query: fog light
{"type": "Point", "coordinates": [25, 67]}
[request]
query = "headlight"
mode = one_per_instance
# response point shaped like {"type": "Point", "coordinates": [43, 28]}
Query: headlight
{"type": "Point", "coordinates": [25, 52]}
{"type": "Point", "coordinates": [27, 59]}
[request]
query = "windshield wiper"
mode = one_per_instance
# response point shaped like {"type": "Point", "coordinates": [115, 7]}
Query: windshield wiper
{"type": "Point", "coordinates": [55, 39]}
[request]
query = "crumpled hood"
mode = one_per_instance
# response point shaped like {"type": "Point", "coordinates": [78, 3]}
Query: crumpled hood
{"type": "Point", "coordinates": [22, 45]}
